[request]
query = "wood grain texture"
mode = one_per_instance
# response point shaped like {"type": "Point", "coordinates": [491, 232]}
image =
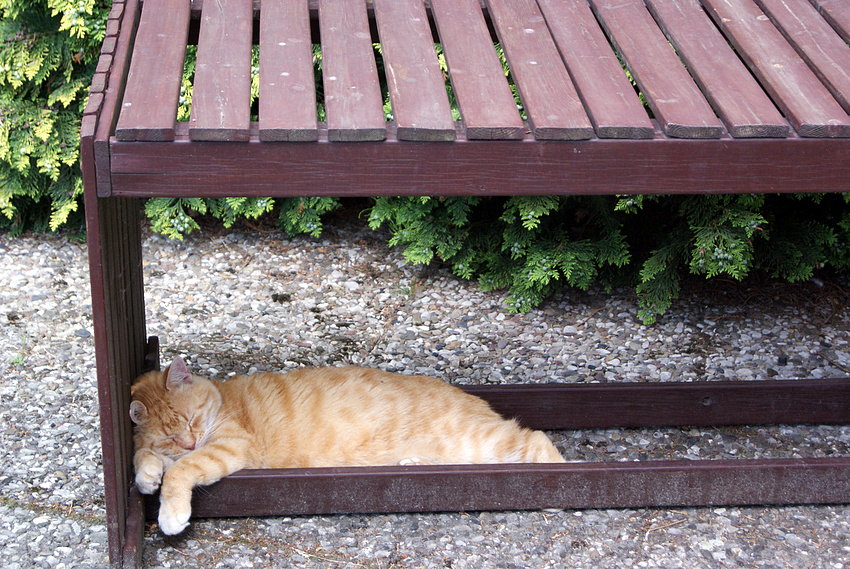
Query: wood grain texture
{"type": "Point", "coordinates": [420, 104]}
{"type": "Point", "coordinates": [609, 97]}
{"type": "Point", "coordinates": [676, 101]}
{"type": "Point", "coordinates": [734, 94]}
{"type": "Point", "coordinates": [795, 89]}
{"type": "Point", "coordinates": [287, 105]}
{"type": "Point", "coordinates": [480, 487]}
{"type": "Point", "coordinates": [123, 18]}
{"type": "Point", "coordinates": [465, 167]}
{"type": "Point", "coordinates": [549, 98]}
{"type": "Point", "coordinates": [149, 108]}
{"type": "Point", "coordinates": [353, 101]}
{"type": "Point", "coordinates": [487, 106]}
{"type": "Point", "coordinates": [837, 13]}
{"type": "Point", "coordinates": [221, 93]}
{"type": "Point", "coordinates": [817, 43]}
{"type": "Point", "coordinates": [703, 403]}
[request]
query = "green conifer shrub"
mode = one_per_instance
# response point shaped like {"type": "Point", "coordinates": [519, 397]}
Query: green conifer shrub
{"type": "Point", "coordinates": [47, 56]}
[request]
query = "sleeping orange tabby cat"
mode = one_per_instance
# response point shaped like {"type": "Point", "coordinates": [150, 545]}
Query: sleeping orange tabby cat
{"type": "Point", "coordinates": [191, 431]}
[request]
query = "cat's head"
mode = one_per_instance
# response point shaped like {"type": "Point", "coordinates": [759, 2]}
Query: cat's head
{"type": "Point", "coordinates": [174, 411]}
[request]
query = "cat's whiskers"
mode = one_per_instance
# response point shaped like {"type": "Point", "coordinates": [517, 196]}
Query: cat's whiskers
{"type": "Point", "coordinates": [213, 424]}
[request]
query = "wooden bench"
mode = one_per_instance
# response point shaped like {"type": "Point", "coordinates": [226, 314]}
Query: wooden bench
{"type": "Point", "coordinates": [753, 96]}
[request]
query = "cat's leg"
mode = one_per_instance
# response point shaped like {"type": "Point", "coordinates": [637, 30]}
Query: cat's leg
{"type": "Point", "coordinates": [201, 467]}
{"type": "Point", "coordinates": [149, 466]}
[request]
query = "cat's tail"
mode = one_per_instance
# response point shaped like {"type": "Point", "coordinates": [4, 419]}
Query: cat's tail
{"type": "Point", "coordinates": [540, 449]}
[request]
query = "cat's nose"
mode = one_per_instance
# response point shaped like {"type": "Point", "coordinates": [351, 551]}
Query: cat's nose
{"type": "Point", "coordinates": [186, 443]}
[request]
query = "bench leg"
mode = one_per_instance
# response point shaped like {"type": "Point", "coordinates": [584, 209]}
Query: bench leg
{"type": "Point", "coordinates": [115, 259]}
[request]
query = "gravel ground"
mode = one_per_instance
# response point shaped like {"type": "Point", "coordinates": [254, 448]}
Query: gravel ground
{"type": "Point", "coordinates": [244, 301]}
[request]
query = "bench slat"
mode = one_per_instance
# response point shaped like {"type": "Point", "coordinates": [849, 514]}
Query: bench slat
{"type": "Point", "coordinates": [816, 42]}
{"type": "Point", "coordinates": [837, 13]}
{"type": "Point", "coordinates": [673, 96]}
{"type": "Point", "coordinates": [156, 69]}
{"type": "Point", "coordinates": [353, 101]}
{"type": "Point", "coordinates": [551, 102]}
{"type": "Point", "coordinates": [487, 106]}
{"type": "Point", "coordinates": [221, 95]}
{"type": "Point", "coordinates": [807, 104]}
{"type": "Point", "coordinates": [417, 89]}
{"type": "Point", "coordinates": [287, 83]}
{"type": "Point", "coordinates": [610, 99]}
{"type": "Point", "coordinates": [730, 88]}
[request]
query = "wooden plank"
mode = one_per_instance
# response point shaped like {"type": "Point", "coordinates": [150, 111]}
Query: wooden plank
{"type": "Point", "coordinates": [287, 83]}
{"type": "Point", "coordinates": [837, 13]}
{"type": "Point", "coordinates": [480, 487]}
{"type": "Point", "coordinates": [353, 101]}
{"type": "Point", "coordinates": [735, 95]}
{"type": "Point", "coordinates": [611, 102]}
{"type": "Point", "coordinates": [795, 89]}
{"type": "Point", "coordinates": [816, 42]}
{"type": "Point", "coordinates": [549, 98]}
{"type": "Point", "coordinates": [598, 166]}
{"type": "Point", "coordinates": [706, 403]}
{"type": "Point", "coordinates": [112, 81]}
{"type": "Point", "coordinates": [487, 106]}
{"type": "Point", "coordinates": [221, 93]}
{"type": "Point", "coordinates": [134, 539]}
{"type": "Point", "coordinates": [420, 104]}
{"type": "Point", "coordinates": [677, 102]}
{"type": "Point", "coordinates": [149, 108]}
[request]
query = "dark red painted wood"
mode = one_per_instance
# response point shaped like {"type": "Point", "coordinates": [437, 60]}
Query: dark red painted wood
{"type": "Point", "coordinates": [420, 105]}
{"type": "Point", "coordinates": [221, 92]}
{"type": "Point", "coordinates": [135, 540]}
{"type": "Point", "coordinates": [123, 16]}
{"type": "Point", "coordinates": [710, 403]}
{"type": "Point", "coordinates": [675, 99]}
{"type": "Point", "coordinates": [487, 106]}
{"type": "Point", "coordinates": [807, 104]}
{"type": "Point", "coordinates": [727, 84]}
{"type": "Point", "coordinates": [549, 98]}
{"type": "Point", "coordinates": [662, 165]}
{"type": "Point", "coordinates": [353, 101]}
{"type": "Point", "coordinates": [817, 43]}
{"type": "Point", "coordinates": [611, 102]}
{"type": "Point", "coordinates": [525, 487]}
{"type": "Point", "coordinates": [149, 107]}
{"type": "Point", "coordinates": [837, 13]}
{"type": "Point", "coordinates": [287, 107]}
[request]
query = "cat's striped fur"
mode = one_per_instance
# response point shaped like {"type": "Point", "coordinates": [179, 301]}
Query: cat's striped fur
{"type": "Point", "coordinates": [191, 431]}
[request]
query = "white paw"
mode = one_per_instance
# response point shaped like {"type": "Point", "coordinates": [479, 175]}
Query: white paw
{"type": "Point", "coordinates": [149, 477]}
{"type": "Point", "coordinates": [412, 461]}
{"type": "Point", "coordinates": [173, 520]}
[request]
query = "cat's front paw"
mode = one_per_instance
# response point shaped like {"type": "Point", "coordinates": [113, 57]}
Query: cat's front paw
{"type": "Point", "coordinates": [149, 474]}
{"type": "Point", "coordinates": [173, 516]}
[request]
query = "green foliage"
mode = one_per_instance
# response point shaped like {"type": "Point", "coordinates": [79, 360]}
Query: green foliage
{"type": "Point", "coordinates": [173, 217]}
{"type": "Point", "coordinates": [785, 236]}
{"type": "Point", "coordinates": [524, 244]}
{"type": "Point", "coordinates": [47, 56]}
{"type": "Point", "coordinates": [303, 215]}
{"type": "Point", "coordinates": [532, 246]}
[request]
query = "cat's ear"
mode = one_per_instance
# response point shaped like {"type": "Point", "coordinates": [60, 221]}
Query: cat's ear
{"type": "Point", "coordinates": [177, 374]}
{"type": "Point", "coordinates": [138, 412]}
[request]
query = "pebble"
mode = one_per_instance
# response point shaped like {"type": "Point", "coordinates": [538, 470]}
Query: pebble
{"type": "Point", "coordinates": [240, 302]}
